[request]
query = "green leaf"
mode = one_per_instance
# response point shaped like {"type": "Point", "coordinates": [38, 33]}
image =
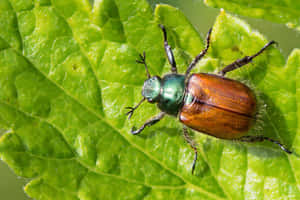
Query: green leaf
{"type": "Point", "coordinates": [287, 12]}
{"type": "Point", "coordinates": [258, 171]}
{"type": "Point", "coordinates": [65, 82]}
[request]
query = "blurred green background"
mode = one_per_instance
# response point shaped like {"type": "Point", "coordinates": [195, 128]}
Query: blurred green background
{"type": "Point", "coordinates": [202, 17]}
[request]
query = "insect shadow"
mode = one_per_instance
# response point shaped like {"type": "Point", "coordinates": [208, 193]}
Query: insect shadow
{"type": "Point", "coordinates": [273, 117]}
{"type": "Point", "coordinates": [171, 132]}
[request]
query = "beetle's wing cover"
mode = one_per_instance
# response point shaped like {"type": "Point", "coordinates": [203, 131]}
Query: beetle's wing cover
{"type": "Point", "coordinates": [220, 107]}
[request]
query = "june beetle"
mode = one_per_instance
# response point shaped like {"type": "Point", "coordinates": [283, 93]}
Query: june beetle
{"type": "Point", "coordinates": [208, 103]}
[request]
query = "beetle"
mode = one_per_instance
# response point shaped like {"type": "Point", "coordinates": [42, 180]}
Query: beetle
{"type": "Point", "coordinates": [208, 103]}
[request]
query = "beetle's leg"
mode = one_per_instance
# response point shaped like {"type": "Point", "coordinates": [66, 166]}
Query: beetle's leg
{"type": "Point", "coordinates": [168, 50]}
{"type": "Point", "coordinates": [143, 61]}
{"type": "Point", "coordinates": [192, 144]}
{"type": "Point", "coordinates": [132, 109]}
{"type": "Point", "coordinates": [150, 122]}
{"type": "Point", "coordinates": [261, 138]}
{"type": "Point", "coordinates": [200, 55]}
{"type": "Point", "coordinates": [243, 61]}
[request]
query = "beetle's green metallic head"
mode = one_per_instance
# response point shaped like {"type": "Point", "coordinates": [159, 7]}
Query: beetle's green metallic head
{"type": "Point", "coordinates": [167, 91]}
{"type": "Point", "coordinates": [151, 89]}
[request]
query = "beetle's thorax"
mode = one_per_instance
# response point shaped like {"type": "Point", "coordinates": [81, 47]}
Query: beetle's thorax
{"type": "Point", "coordinates": [171, 92]}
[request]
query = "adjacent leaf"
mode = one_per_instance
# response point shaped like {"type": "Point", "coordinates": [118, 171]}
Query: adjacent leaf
{"type": "Point", "coordinates": [287, 12]}
{"type": "Point", "coordinates": [65, 82]}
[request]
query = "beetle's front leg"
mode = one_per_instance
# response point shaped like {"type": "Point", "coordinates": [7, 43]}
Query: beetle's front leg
{"type": "Point", "coordinates": [143, 61]}
{"type": "Point", "coordinates": [168, 50]}
{"type": "Point", "coordinates": [132, 109]}
{"type": "Point", "coordinates": [150, 122]}
{"type": "Point", "coordinates": [189, 140]}
{"type": "Point", "coordinates": [200, 55]}
{"type": "Point", "coordinates": [243, 61]}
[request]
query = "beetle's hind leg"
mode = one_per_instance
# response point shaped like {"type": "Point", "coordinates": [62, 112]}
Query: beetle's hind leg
{"type": "Point", "coordinates": [189, 140]}
{"type": "Point", "coordinates": [243, 61]}
{"type": "Point", "coordinates": [261, 138]}
{"type": "Point", "coordinates": [168, 50]}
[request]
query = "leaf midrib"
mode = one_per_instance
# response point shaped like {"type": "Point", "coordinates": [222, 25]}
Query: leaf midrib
{"type": "Point", "coordinates": [90, 169]}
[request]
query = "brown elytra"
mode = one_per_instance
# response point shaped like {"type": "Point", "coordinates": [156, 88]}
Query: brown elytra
{"type": "Point", "coordinates": [218, 106]}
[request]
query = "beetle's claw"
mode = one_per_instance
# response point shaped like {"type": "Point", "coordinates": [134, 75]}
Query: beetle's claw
{"type": "Point", "coordinates": [134, 131]}
{"type": "Point", "coordinates": [286, 150]}
{"type": "Point", "coordinates": [130, 112]}
{"type": "Point", "coordinates": [209, 31]}
{"type": "Point", "coordinates": [274, 42]}
{"type": "Point", "coordinates": [142, 58]}
{"type": "Point", "coordinates": [194, 162]}
{"type": "Point", "coordinates": [142, 61]}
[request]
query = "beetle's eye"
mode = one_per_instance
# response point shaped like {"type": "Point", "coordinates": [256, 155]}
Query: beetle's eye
{"type": "Point", "coordinates": [151, 89]}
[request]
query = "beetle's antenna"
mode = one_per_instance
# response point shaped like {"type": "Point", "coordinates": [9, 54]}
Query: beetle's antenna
{"type": "Point", "coordinates": [132, 109]}
{"type": "Point", "coordinates": [143, 61]}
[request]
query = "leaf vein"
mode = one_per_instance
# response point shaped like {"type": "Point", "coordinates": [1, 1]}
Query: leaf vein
{"type": "Point", "coordinates": [199, 189]}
